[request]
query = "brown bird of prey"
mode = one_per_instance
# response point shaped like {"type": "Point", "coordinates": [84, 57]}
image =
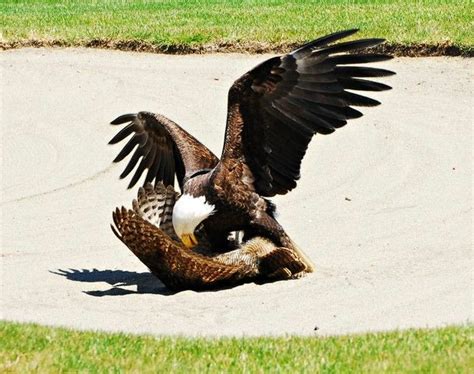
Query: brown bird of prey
{"type": "Point", "coordinates": [274, 110]}
{"type": "Point", "coordinates": [148, 232]}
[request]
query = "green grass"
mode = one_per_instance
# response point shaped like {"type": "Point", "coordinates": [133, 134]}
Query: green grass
{"type": "Point", "coordinates": [194, 23]}
{"type": "Point", "coordinates": [27, 347]}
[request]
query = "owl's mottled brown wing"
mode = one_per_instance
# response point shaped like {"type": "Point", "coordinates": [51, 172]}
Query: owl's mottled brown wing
{"type": "Point", "coordinates": [275, 109]}
{"type": "Point", "coordinates": [148, 232]}
{"type": "Point", "coordinates": [176, 266]}
{"type": "Point", "coordinates": [160, 146]}
{"type": "Point", "coordinates": [180, 268]}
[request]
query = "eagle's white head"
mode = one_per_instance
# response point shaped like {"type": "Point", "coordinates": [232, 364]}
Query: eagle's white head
{"type": "Point", "coordinates": [188, 213]}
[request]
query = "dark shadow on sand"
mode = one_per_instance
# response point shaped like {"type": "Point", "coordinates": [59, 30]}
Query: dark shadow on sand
{"type": "Point", "coordinates": [146, 283]}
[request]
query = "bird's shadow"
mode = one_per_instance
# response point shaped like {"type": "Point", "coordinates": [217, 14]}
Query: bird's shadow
{"type": "Point", "coordinates": [146, 283]}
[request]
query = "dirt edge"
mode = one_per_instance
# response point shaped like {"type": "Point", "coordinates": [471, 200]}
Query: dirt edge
{"type": "Point", "coordinates": [408, 50]}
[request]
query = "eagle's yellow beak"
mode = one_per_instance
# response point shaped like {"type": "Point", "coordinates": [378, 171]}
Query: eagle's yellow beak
{"type": "Point", "coordinates": [189, 240]}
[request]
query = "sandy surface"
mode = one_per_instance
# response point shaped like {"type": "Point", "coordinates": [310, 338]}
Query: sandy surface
{"type": "Point", "coordinates": [384, 206]}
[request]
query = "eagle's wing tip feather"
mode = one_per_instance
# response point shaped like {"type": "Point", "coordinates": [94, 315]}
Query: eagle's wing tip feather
{"type": "Point", "coordinates": [129, 117]}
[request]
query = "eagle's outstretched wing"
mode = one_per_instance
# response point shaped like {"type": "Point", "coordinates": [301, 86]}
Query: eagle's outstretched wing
{"type": "Point", "coordinates": [164, 148]}
{"type": "Point", "coordinates": [275, 109]}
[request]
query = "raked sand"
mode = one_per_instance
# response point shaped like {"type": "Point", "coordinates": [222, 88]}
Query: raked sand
{"type": "Point", "coordinates": [383, 208]}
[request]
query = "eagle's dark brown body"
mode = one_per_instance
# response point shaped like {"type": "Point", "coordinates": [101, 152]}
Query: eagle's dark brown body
{"type": "Point", "coordinates": [274, 110]}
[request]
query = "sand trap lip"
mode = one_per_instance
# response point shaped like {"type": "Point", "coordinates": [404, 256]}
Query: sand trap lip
{"type": "Point", "coordinates": [396, 49]}
{"type": "Point", "coordinates": [383, 208]}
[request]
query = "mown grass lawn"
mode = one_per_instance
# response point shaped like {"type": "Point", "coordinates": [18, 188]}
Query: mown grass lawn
{"type": "Point", "coordinates": [195, 23]}
{"type": "Point", "coordinates": [28, 347]}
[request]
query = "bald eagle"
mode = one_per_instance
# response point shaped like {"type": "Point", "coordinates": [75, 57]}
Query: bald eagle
{"type": "Point", "coordinates": [274, 110]}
